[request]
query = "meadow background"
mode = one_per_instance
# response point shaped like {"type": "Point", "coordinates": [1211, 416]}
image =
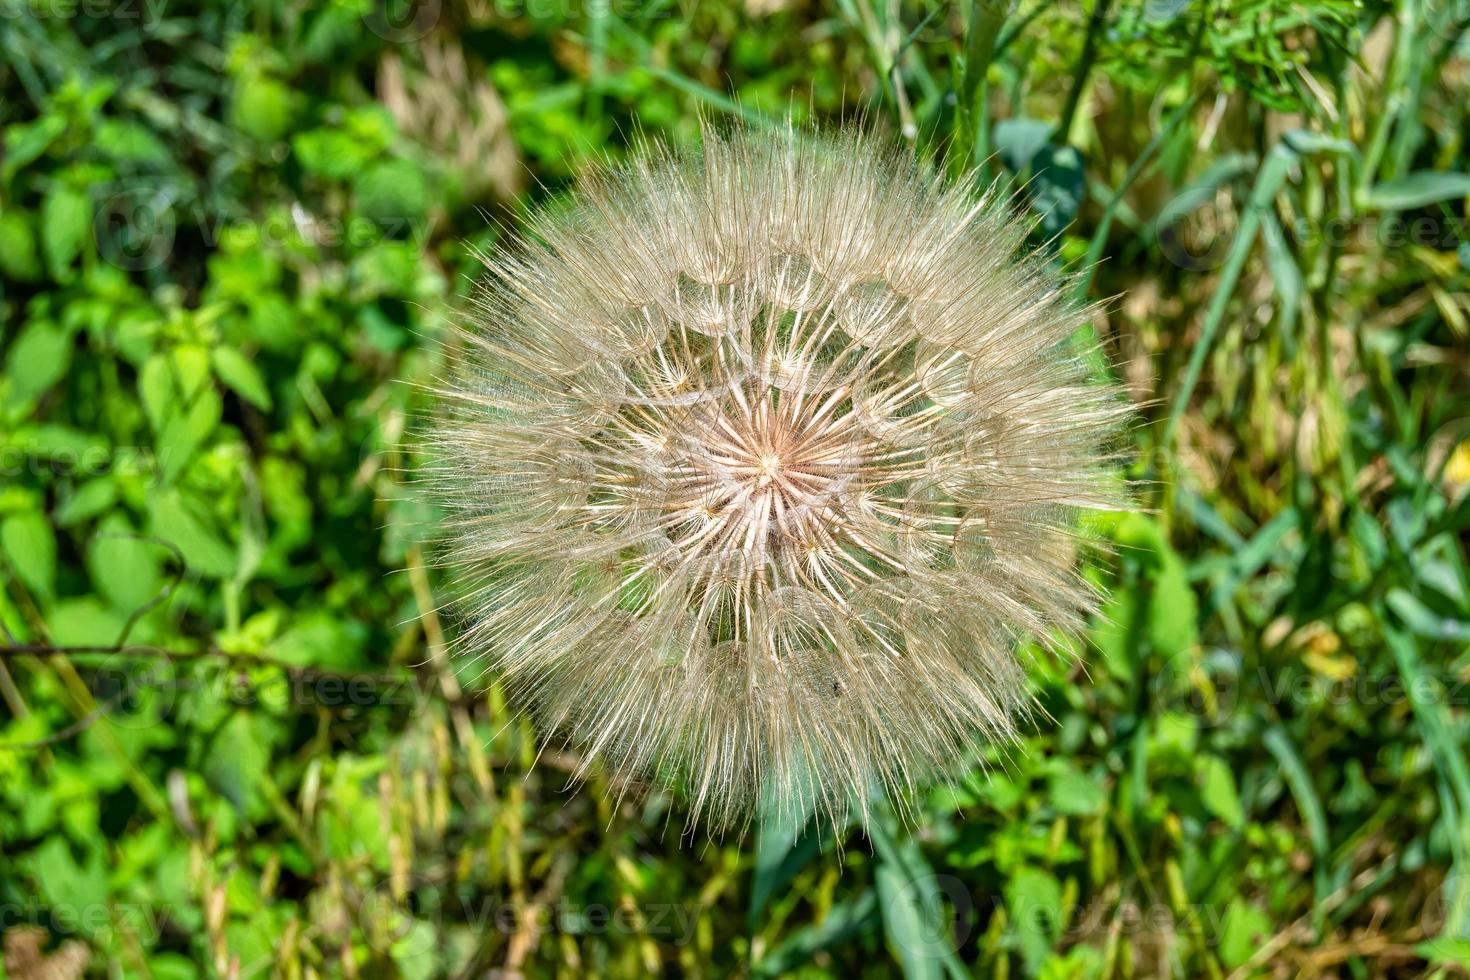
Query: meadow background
{"type": "Point", "coordinates": [231, 741]}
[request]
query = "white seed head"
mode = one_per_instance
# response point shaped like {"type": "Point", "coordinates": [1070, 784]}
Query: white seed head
{"type": "Point", "coordinates": [761, 459]}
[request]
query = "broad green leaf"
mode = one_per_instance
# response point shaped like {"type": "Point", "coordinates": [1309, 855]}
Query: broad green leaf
{"type": "Point", "coordinates": [25, 142]}
{"type": "Point", "coordinates": [157, 390]}
{"type": "Point", "coordinates": [237, 760]}
{"type": "Point", "coordinates": [1173, 626]}
{"type": "Point", "coordinates": [1018, 141]}
{"type": "Point", "coordinates": [66, 223]}
{"type": "Point", "coordinates": [242, 376]}
{"type": "Point", "coordinates": [190, 366]}
{"type": "Point", "coordinates": [30, 548]}
{"type": "Point", "coordinates": [1173, 609]}
{"type": "Point", "coordinates": [185, 432]}
{"type": "Point", "coordinates": [129, 142]}
{"type": "Point", "coordinates": [38, 359]}
{"type": "Point", "coordinates": [332, 153]}
{"type": "Point", "coordinates": [321, 640]}
{"type": "Point", "coordinates": [1243, 932]}
{"type": "Point", "coordinates": [1075, 793]}
{"type": "Point", "coordinates": [1034, 907]}
{"type": "Point", "coordinates": [177, 520]}
{"type": "Point", "coordinates": [393, 193]}
{"type": "Point", "coordinates": [90, 499]}
{"type": "Point", "coordinates": [1056, 187]}
{"type": "Point", "coordinates": [84, 622]}
{"type": "Point", "coordinates": [124, 567]}
{"type": "Point", "coordinates": [20, 256]}
{"type": "Point", "coordinates": [263, 107]}
{"type": "Point", "coordinates": [69, 885]}
{"type": "Point", "coordinates": [1217, 791]}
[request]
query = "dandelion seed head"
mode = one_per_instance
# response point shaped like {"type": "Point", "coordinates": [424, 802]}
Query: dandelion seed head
{"type": "Point", "coordinates": [761, 460]}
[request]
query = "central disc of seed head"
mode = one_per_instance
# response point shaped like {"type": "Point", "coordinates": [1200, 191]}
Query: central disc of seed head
{"type": "Point", "coordinates": [766, 466]}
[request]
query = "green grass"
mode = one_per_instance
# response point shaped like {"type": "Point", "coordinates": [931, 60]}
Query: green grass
{"type": "Point", "coordinates": [231, 742]}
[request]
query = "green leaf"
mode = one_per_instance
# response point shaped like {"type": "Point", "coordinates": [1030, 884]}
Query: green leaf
{"type": "Point", "coordinates": [393, 192]}
{"type": "Point", "coordinates": [1075, 793]}
{"type": "Point", "coordinates": [908, 925]}
{"type": "Point", "coordinates": [129, 142]}
{"type": "Point", "coordinates": [60, 443]}
{"type": "Point", "coordinates": [320, 639]}
{"type": "Point", "coordinates": [1303, 790]}
{"type": "Point", "coordinates": [1445, 951]}
{"type": "Point", "coordinates": [333, 153]}
{"type": "Point", "coordinates": [19, 256]}
{"type": "Point", "coordinates": [24, 142]}
{"type": "Point", "coordinates": [1417, 189]}
{"type": "Point", "coordinates": [1018, 141]}
{"type": "Point", "coordinates": [30, 548]}
{"type": "Point", "coordinates": [1173, 626]}
{"type": "Point", "coordinates": [67, 884]}
{"type": "Point", "coordinates": [177, 520]}
{"type": "Point", "coordinates": [263, 107]}
{"type": "Point", "coordinates": [156, 390]}
{"type": "Point", "coordinates": [242, 376]}
{"type": "Point", "coordinates": [1173, 609]}
{"type": "Point", "coordinates": [1034, 905]}
{"type": "Point", "coordinates": [236, 761]}
{"type": "Point", "coordinates": [1056, 186]}
{"type": "Point", "coordinates": [184, 432]}
{"type": "Point", "coordinates": [84, 622]}
{"type": "Point", "coordinates": [124, 567]}
{"type": "Point", "coordinates": [66, 221]}
{"type": "Point", "coordinates": [89, 500]}
{"type": "Point", "coordinates": [1245, 929]}
{"type": "Point", "coordinates": [1218, 793]}
{"type": "Point", "coordinates": [38, 359]}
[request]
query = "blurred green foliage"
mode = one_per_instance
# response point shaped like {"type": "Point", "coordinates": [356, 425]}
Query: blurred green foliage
{"type": "Point", "coordinates": [231, 742]}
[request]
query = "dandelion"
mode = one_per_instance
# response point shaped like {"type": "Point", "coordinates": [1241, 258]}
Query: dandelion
{"type": "Point", "coordinates": [762, 460]}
